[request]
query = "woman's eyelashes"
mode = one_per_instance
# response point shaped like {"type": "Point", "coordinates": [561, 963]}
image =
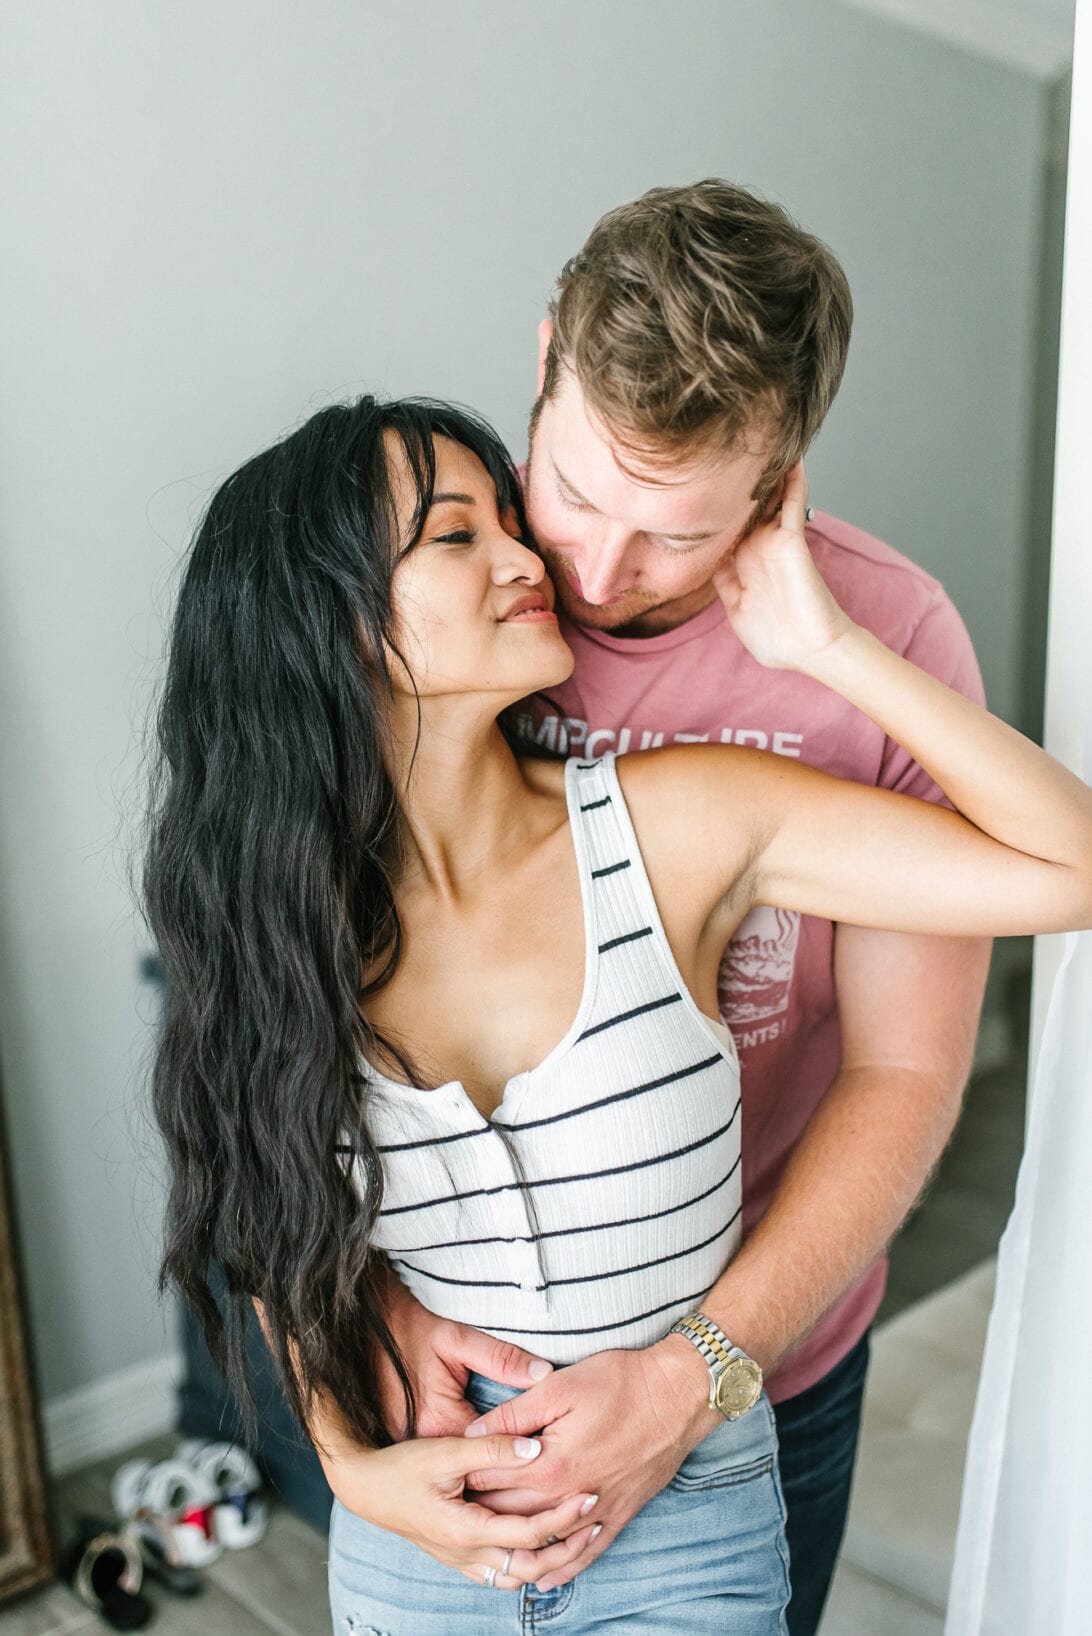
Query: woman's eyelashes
{"type": "Point", "coordinates": [467, 536]}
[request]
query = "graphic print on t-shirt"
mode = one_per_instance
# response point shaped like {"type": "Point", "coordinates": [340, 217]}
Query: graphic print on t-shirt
{"type": "Point", "coordinates": [755, 976]}
{"type": "Point", "coordinates": [572, 736]}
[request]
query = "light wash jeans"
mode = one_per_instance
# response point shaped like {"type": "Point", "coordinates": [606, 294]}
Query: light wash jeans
{"type": "Point", "coordinates": [706, 1557]}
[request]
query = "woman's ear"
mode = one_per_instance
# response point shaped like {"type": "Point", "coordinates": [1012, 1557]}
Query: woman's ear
{"type": "Point", "coordinates": [545, 335]}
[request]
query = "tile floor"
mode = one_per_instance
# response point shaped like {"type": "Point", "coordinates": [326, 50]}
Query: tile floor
{"type": "Point", "coordinates": [278, 1587]}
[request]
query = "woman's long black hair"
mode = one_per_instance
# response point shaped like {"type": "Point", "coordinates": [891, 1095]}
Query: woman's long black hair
{"type": "Point", "coordinates": [267, 885]}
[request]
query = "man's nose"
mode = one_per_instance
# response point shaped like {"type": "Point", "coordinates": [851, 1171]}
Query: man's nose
{"type": "Point", "coordinates": [601, 566]}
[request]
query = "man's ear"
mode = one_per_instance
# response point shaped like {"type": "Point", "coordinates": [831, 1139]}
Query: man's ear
{"type": "Point", "coordinates": [545, 334]}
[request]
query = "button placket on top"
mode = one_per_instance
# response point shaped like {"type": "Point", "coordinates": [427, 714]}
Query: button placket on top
{"type": "Point", "coordinates": [527, 1251]}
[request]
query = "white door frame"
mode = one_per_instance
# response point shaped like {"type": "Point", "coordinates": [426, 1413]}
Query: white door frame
{"type": "Point", "coordinates": [1068, 717]}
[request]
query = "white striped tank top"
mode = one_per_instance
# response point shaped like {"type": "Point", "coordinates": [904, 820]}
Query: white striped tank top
{"type": "Point", "coordinates": [602, 1199]}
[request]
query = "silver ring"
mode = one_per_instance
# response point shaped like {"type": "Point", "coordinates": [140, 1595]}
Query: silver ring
{"type": "Point", "coordinates": [507, 1562]}
{"type": "Point", "coordinates": [490, 1578]}
{"type": "Point", "coordinates": [809, 513]}
{"type": "Point", "coordinates": [552, 1539]}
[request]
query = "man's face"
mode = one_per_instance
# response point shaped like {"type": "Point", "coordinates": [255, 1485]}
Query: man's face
{"type": "Point", "coordinates": [625, 554]}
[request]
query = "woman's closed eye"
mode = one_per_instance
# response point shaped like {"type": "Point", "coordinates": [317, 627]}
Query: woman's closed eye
{"type": "Point", "coordinates": [467, 536]}
{"type": "Point", "coordinates": [458, 536]}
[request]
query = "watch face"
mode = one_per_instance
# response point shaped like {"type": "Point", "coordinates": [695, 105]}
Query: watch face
{"type": "Point", "coordinates": [738, 1387]}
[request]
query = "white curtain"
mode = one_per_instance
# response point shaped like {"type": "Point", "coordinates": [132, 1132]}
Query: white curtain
{"type": "Point", "coordinates": [1023, 1557]}
{"type": "Point", "coordinates": [1023, 1562]}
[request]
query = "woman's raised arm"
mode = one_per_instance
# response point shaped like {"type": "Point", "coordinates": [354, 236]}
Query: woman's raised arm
{"type": "Point", "coordinates": [1016, 856]}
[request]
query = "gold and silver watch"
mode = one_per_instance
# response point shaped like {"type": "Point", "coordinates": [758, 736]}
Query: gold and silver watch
{"type": "Point", "coordinates": [735, 1380]}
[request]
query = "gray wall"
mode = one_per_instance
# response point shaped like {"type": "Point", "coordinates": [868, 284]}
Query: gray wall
{"type": "Point", "coordinates": [223, 215]}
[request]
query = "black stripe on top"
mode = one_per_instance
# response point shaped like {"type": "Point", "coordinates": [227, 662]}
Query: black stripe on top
{"type": "Point", "coordinates": [610, 869]}
{"type": "Point", "coordinates": [643, 1266]}
{"type": "Point", "coordinates": [550, 1118]}
{"type": "Point", "coordinates": [561, 1181]}
{"type": "Point", "coordinates": [683, 1301]}
{"type": "Point", "coordinates": [626, 937]}
{"type": "Point", "coordinates": [568, 1232]}
{"type": "Point", "coordinates": [615, 1096]}
{"type": "Point", "coordinates": [430, 1141]}
{"type": "Point", "coordinates": [466, 1283]}
{"type": "Point", "coordinates": [584, 1278]}
{"type": "Point", "coordinates": [586, 766]}
{"type": "Point", "coordinates": [628, 1016]}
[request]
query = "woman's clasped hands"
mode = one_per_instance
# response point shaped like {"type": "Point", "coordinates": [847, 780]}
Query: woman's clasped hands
{"type": "Point", "coordinates": [417, 1489]}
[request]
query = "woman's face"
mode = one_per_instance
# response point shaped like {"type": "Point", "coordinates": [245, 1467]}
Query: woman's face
{"type": "Point", "coordinates": [473, 605]}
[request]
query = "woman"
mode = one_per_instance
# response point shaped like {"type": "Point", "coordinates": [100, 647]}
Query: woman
{"type": "Point", "coordinates": [446, 1016]}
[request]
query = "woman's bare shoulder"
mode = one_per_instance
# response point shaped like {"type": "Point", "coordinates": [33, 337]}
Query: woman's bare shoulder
{"type": "Point", "coordinates": [682, 774]}
{"type": "Point", "coordinates": [682, 790]}
{"type": "Point", "coordinates": [698, 810]}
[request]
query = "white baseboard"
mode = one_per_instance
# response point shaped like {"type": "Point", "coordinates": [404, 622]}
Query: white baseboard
{"type": "Point", "coordinates": [108, 1416]}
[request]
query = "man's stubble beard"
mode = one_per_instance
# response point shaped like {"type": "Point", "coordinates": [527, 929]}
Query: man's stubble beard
{"type": "Point", "coordinates": [599, 617]}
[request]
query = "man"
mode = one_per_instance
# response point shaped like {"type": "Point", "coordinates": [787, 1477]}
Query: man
{"type": "Point", "coordinates": [694, 347]}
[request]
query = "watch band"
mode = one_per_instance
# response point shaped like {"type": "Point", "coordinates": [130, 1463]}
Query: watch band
{"type": "Point", "coordinates": [725, 1362]}
{"type": "Point", "coordinates": [711, 1341]}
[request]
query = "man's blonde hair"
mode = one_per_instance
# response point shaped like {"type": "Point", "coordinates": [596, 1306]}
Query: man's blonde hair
{"type": "Point", "coordinates": [697, 317]}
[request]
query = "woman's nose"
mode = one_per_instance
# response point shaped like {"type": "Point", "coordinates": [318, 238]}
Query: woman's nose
{"type": "Point", "coordinates": [518, 561]}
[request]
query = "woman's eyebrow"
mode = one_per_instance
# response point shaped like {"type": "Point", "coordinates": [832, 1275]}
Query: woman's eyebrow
{"type": "Point", "coordinates": [460, 499]}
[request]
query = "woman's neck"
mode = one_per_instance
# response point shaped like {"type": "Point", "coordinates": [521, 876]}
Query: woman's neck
{"type": "Point", "coordinates": [466, 805]}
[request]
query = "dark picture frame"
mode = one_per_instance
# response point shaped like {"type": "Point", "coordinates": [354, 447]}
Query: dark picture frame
{"type": "Point", "coordinates": [27, 1556]}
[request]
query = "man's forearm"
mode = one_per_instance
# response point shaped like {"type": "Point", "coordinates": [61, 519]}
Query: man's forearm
{"type": "Point", "coordinates": [853, 1177]}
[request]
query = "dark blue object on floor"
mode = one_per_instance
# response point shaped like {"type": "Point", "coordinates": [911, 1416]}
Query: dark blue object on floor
{"type": "Point", "coordinates": [287, 1460]}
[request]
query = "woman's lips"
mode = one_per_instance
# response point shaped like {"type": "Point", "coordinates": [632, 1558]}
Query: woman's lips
{"type": "Point", "coordinates": [531, 608]}
{"type": "Point", "coordinates": [530, 616]}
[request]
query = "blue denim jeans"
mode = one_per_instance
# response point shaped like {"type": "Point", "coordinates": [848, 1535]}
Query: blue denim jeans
{"type": "Point", "coordinates": [705, 1556]}
{"type": "Point", "coordinates": [817, 1435]}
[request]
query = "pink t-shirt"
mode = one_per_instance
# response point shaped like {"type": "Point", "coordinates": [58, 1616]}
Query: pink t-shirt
{"type": "Point", "coordinates": [698, 683]}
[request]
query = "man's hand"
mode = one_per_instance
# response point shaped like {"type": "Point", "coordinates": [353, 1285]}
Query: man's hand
{"type": "Point", "coordinates": [623, 1420]}
{"type": "Point", "coordinates": [440, 1355]}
